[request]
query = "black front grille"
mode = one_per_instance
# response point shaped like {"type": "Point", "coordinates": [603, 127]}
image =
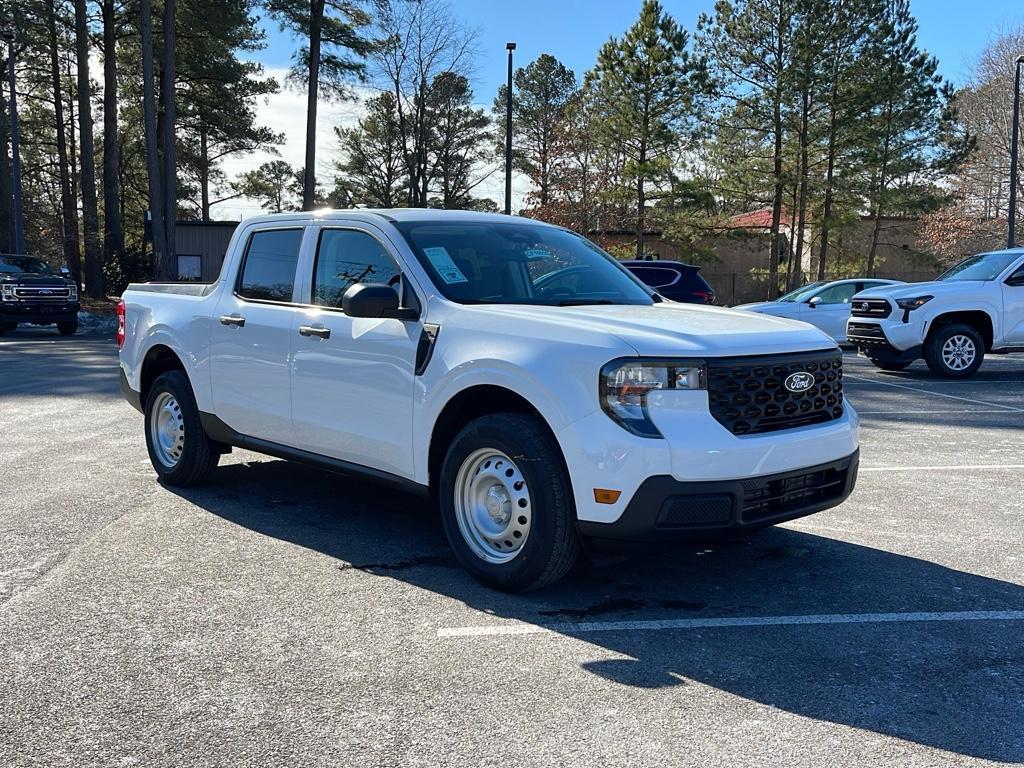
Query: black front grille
{"type": "Point", "coordinates": [768, 498]}
{"type": "Point", "coordinates": [748, 395]}
{"type": "Point", "coordinates": [870, 308]}
{"type": "Point", "coordinates": [44, 294]}
{"type": "Point", "coordinates": [866, 335]}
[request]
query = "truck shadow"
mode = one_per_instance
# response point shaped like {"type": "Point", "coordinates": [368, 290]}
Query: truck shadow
{"type": "Point", "coordinates": [954, 686]}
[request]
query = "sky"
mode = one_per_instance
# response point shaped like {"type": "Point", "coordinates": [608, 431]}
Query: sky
{"type": "Point", "coordinates": [955, 31]}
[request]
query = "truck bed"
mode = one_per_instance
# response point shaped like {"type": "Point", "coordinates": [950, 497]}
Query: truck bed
{"type": "Point", "coordinates": [181, 289]}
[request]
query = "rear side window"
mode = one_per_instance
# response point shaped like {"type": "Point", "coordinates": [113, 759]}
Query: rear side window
{"type": "Point", "coordinates": [268, 273]}
{"type": "Point", "coordinates": [346, 257]}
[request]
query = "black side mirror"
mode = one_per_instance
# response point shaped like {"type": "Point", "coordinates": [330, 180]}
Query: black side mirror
{"type": "Point", "coordinates": [375, 300]}
{"type": "Point", "coordinates": [65, 273]}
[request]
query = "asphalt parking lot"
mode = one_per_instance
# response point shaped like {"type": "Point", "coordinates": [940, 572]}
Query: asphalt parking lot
{"type": "Point", "coordinates": [283, 616]}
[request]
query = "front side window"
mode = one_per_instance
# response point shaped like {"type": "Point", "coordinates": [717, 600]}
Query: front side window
{"type": "Point", "coordinates": [800, 293]}
{"type": "Point", "coordinates": [984, 266]}
{"type": "Point", "coordinates": [268, 273]}
{"type": "Point", "coordinates": [474, 262]}
{"type": "Point", "coordinates": [346, 257]}
{"type": "Point", "coordinates": [838, 294]}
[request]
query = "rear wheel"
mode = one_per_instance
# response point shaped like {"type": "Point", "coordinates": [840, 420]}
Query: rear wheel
{"type": "Point", "coordinates": [889, 365]}
{"type": "Point", "coordinates": [70, 328]}
{"type": "Point", "coordinates": [506, 503]}
{"type": "Point", "coordinates": [955, 351]}
{"type": "Point", "coordinates": [178, 447]}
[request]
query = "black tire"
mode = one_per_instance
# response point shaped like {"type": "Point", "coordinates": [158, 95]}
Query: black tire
{"type": "Point", "coordinates": [197, 458]}
{"type": "Point", "coordinates": [69, 328]}
{"type": "Point", "coordinates": [889, 365]}
{"type": "Point", "coordinates": [553, 543]}
{"type": "Point", "coordinates": [937, 339]}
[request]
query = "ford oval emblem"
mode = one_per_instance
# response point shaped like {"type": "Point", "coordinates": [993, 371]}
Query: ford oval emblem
{"type": "Point", "coordinates": [800, 381]}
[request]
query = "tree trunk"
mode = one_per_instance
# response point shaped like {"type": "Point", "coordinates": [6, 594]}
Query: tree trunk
{"type": "Point", "coordinates": [316, 19]}
{"type": "Point", "coordinates": [168, 78]}
{"type": "Point", "coordinates": [94, 283]}
{"type": "Point", "coordinates": [68, 203]}
{"type": "Point", "coordinates": [113, 231]}
{"type": "Point", "coordinates": [156, 206]}
{"type": "Point", "coordinates": [798, 257]}
{"type": "Point", "coordinates": [6, 173]}
{"type": "Point", "coordinates": [204, 173]}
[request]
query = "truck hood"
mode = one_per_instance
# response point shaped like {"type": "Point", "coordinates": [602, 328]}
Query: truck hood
{"type": "Point", "coordinates": [678, 329]}
{"type": "Point", "coordinates": [29, 278]}
{"type": "Point", "coordinates": [766, 307]}
{"type": "Point", "coordinates": [956, 288]}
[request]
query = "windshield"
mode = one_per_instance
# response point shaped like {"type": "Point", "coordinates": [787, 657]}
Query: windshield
{"type": "Point", "coordinates": [800, 293]}
{"type": "Point", "coordinates": [519, 263]}
{"type": "Point", "coordinates": [24, 264]}
{"type": "Point", "coordinates": [984, 266]}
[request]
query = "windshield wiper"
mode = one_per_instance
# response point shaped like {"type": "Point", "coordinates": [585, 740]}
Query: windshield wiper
{"type": "Point", "coordinates": [584, 302]}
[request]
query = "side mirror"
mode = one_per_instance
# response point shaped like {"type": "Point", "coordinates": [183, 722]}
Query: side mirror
{"type": "Point", "coordinates": [814, 301]}
{"type": "Point", "coordinates": [65, 273]}
{"type": "Point", "coordinates": [375, 300]}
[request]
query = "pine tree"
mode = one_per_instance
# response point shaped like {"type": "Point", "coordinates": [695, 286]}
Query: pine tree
{"type": "Point", "coordinates": [373, 165]}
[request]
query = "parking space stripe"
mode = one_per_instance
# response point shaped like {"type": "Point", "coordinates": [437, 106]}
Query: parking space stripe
{"type": "Point", "coordinates": [935, 394]}
{"type": "Point", "coordinates": [586, 627]}
{"type": "Point", "coordinates": [937, 467]}
{"type": "Point", "coordinates": [945, 412]}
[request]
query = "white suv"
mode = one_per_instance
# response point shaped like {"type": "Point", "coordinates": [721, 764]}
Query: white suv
{"type": "Point", "coordinates": [972, 308]}
{"type": "Point", "coordinates": [511, 369]}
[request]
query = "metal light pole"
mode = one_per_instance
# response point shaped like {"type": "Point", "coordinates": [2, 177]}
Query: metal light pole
{"type": "Point", "coordinates": [508, 132]}
{"type": "Point", "coordinates": [1011, 234]}
{"type": "Point", "coordinates": [19, 230]}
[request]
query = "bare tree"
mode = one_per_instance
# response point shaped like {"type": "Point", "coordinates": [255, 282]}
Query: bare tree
{"type": "Point", "coordinates": [156, 207]}
{"type": "Point", "coordinates": [94, 282]}
{"type": "Point", "coordinates": [418, 42]}
{"type": "Point", "coordinates": [113, 233]}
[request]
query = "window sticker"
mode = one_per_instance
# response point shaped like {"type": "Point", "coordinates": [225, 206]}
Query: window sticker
{"type": "Point", "coordinates": [537, 254]}
{"type": "Point", "coordinates": [444, 265]}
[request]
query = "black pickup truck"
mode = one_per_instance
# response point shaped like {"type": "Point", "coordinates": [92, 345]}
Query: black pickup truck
{"type": "Point", "coordinates": [31, 292]}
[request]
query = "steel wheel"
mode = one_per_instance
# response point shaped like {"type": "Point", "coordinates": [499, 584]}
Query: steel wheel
{"type": "Point", "coordinates": [492, 505]}
{"type": "Point", "coordinates": [167, 429]}
{"type": "Point", "coordinates": [959, 352]}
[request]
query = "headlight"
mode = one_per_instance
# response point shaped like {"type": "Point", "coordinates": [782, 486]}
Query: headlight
{"type": "Point", "coordinates": [7, 293]}
{"type": "Point", "coordinates": [625, 385]}
{"type": "Point", "coordinates": [914, 303]}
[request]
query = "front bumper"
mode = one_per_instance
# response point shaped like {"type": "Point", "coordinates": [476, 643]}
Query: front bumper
{"type": "Point", "coordinates": [38, 313]}
{"type": "Point", "coordinates": [892, 342]}
{"type": "Point", "coordinates": [665, 510]}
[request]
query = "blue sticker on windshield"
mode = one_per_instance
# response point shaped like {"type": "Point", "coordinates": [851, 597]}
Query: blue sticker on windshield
{"type": "Point", "coordinates": [537, 253]}
{"type": "Point", "coordinates": [444, 265]}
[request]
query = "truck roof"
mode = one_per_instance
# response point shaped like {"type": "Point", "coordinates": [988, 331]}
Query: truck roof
{"type": "Point", "coordinates": [391, 215]}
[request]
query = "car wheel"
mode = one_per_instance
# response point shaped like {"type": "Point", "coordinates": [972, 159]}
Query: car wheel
{"type": "Point", "coordinates": [955, 351]}
{"type": "Point", "coordinates": [889, 365]}
{"type": "Point", "coordinates": [507, 505]}
{"type": "Point", "coordinates": [69, 328]}
{"type": "Point", "coordinates": [178, 447]}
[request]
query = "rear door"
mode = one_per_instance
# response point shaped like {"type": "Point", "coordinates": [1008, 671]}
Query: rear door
{"type": "Point", "coordinates": [353, 377]}
{"type": "Point", "coordinates": [251, 339]}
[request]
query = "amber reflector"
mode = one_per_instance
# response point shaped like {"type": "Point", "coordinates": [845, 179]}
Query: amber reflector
{"type": "Point", "coordinates": [605, 496]}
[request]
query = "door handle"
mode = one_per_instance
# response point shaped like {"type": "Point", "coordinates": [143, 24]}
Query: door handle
{"type": "Point", "coordinates": [233, 320]}
{"type": "Point", "coordinates": [320, 333]}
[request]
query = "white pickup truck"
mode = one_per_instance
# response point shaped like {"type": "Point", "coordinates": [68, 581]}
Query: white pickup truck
{"type": "Point", "coordinates": [509, 369]}
{"type": "Point", "coordinates": [972, 308]}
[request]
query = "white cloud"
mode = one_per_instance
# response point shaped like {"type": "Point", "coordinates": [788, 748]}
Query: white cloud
{"type": "Point", "coordinates": [285, 113]}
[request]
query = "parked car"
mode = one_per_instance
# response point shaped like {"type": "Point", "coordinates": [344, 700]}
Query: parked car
{"type": "Point", "coordinates": [972, 308]}
{"type": "Point", "coordinates": [432, 350]}
{"type": "Point", "coordinates": [31, 292]}
{"type": "Point", "coordinates": [673, 280]}
{"type": "Point", "coordinates": [825, 305]}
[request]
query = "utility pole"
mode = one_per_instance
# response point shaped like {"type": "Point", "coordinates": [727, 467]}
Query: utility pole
{"type": "Point", "coordinates": [508, 132]}
{"type": "Point", "coordinates": [19, 228]}
{"type": "Point", "coordinates": [1011, 230]}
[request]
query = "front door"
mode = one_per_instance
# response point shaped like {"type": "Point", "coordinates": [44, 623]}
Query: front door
{"type": "Point", "coordinates": [1013, 308]}
{"type": "Point", "coordinates": [831, 309]}
{"type": "Point", "coordinates": [251, 339]}
{"type": "Point", "coordinates": [353, 378]}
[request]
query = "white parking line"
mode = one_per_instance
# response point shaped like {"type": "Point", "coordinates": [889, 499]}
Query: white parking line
{"type": "Point", "coordinates": [569, 628]}
{"type": "Point", "coordinates": [945, 412]}
{"type": "Point", "coordinates": [936, 394]}
{"type": "Point", "coordinates": [937, 467]}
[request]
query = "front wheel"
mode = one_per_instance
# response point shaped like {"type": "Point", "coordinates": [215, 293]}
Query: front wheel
{"type": "Point", "coordinates": [889, 365]}
{"type": "Point", "coordinates": [69, 328]}
{"type": "Point", "coordinates": [179, 449]}
{"type": "Point", "coordinates": [954, 351]}
{"type": "Point", "coordinates": [506, 503]}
